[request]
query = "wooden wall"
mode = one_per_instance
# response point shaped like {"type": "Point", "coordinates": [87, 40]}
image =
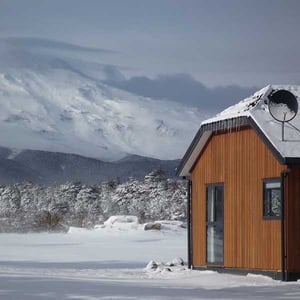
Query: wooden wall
{"type": "Point", "coordinates": [240, 160]}
{"type": "Point", "coordinates": [292, 232]}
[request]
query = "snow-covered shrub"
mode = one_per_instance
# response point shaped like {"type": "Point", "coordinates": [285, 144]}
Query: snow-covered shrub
{"type": "Point", "coordinates": [48, 221]}
{"type": "Point", "coordinates": [10, 201]}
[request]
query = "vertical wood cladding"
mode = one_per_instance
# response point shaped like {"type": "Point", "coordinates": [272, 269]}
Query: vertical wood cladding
{"type": "Point", "coordinates": [240, 160]}
{"type": "Point", "coordinates": [292, 232]}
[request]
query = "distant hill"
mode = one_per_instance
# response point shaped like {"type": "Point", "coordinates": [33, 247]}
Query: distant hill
{"type": "Point", "coordinates": [53, 167]}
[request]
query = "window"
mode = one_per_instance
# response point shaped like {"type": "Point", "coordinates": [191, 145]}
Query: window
{"type": "Point", "coordinates": [272, 198]}
{"type": "Point", "coordinates": [214, 223]}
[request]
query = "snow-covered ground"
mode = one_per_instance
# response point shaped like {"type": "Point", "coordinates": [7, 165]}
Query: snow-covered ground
{"type": "Point", "coordinates": [110, 263]}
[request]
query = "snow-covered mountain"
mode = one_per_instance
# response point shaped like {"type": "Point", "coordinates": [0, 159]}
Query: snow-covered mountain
{"type": "Point", "coordinates": [47, 103]}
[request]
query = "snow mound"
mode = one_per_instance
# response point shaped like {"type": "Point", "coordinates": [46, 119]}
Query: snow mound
{"type": "Point", "coordinates": [171, 225]}
{"type": "Point", "coordinates": [178, 261]}
{"type": "Point", "coordinates": [160, 268]}
{"type": "Point", "coordinates": [75, 230]}
{"type": "Point", "coordinates": [127, 223]}
{"type": "Point", "coordinates": [259, 277]}
{"type": "Point", "coordinates": [120, 223]}
{"type": "Point", "coordinates": [152, 265]}
{"type": "Point", "coordinates": [121, 219]}
{"type": "Point", "coordinates": [152, 226]}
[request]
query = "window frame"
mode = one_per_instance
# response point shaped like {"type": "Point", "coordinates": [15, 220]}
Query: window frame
{"type": "Point", "coordinates": [208, 223]}
{"type": "Point", "coordinates": [265, 181]}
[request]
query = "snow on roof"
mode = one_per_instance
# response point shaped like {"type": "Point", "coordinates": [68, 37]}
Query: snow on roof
{"type": "Point", "coordinates": [256, 108]}
{"type": "Point", "coordinates": [241, 109]}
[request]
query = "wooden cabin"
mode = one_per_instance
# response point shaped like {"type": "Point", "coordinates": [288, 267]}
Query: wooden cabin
{"type": "Point", "coordinates": [244, 200]}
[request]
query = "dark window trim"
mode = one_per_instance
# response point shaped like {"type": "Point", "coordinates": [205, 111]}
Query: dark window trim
{"type": "Point", "coordinates": [264, 181]}
{"type": "Point", "coordinates": [220, 184]}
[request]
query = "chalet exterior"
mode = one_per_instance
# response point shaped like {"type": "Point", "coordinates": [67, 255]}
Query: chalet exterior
{"type": "Point", "coordinates": [244, 203]}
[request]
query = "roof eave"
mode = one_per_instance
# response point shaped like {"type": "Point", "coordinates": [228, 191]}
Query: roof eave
{"type": "Point", "coordinates": [292, 160]}
{"type": "Point", "coordinates": [193, 152]}
{"type": "Point", "coordinates": [205, 132]}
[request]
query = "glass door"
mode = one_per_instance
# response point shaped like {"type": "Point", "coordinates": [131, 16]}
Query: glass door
{"type": "Point", "coordinates": [214, 223]}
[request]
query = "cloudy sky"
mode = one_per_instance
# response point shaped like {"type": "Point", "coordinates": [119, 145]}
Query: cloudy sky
{"type": "Point", "coordinates": [197, 45]}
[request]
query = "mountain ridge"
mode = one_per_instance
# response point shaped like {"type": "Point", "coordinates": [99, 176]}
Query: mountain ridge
{"type": "Point", "coordinates": [56, 168]}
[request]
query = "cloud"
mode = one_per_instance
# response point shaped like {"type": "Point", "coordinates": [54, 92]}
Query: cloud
{"type": "Point", "coordinates": [185, 89]}
{"type": "Point", "coordinates": [49, 44]}
{"type": "Point", "coordinates": [31, 52]}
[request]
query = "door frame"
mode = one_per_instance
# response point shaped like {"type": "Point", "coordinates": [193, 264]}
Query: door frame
{"type": "Point", "coordinates": [214, 185]}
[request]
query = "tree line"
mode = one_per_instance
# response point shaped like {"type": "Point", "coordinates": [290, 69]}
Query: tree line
{"type": "Point", "coordinates": [26, 206]}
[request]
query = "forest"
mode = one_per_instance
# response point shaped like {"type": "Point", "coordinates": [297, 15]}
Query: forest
{"type": "Point", "coordinates": [31, 207]}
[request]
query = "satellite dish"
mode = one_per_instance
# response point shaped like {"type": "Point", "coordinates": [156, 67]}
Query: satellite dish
{"type": "Point", "coordinates": [283, 106]}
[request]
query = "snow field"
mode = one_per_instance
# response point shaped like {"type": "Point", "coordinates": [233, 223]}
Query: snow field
{"type": "Point", "coordinates": [113, 261]}
{"type": "Point", "coordinates": [120, 238]}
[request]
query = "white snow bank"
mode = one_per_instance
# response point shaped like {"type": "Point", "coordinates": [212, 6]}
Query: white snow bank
{"type": "Point", "coordinates": [113, 223]}
{"type": "Point", "coordinates": [121, 219]}
{"type": "Point", "coordinates": [121, 223]}
{"type": "Point", "coordinates": [171, 225]}
{"type": "Point", "coordinates": [259, 277]}
{"type": "Point", "coordinates": [74, 230]}
{"type": "Point", "coordinates": [129, 224]}
{"type": "Point", "coordinates": [172, 266]}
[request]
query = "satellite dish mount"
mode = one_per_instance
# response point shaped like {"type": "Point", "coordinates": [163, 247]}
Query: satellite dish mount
{"type": "Point", "coordinates": [283, 107]}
